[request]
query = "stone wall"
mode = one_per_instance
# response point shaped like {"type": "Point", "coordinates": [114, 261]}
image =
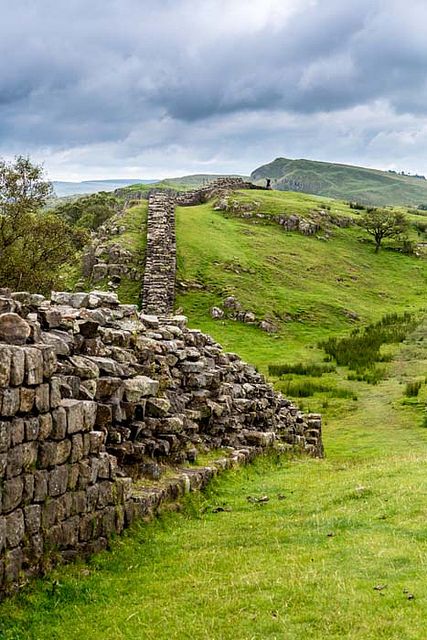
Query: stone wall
{"type": "Point", "coordinates": [158, 290]}
{"type": "Point", "coordinates": [95, 398]}
{"type": "Point", "coordinates": [214, 189]}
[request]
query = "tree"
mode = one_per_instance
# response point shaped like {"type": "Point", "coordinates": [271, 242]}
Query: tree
{"type": "Point", "coordinates": [34, 245]}
{"type": "Point", "coordinates": [381, 224]}
{"type": "Point", "coordinates": [88, 212]}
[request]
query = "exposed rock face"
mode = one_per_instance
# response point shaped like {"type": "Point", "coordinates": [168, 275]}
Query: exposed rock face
{"type": "Point", "coordinates": [99, 397]}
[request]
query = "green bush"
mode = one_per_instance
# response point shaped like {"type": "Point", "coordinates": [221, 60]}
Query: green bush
{"type": "Point", "coordinates": [300, 369]}
{"type": "Point", "coordinates": [361, 350]}
{"type": "Point", "coordinates": [412, 389]}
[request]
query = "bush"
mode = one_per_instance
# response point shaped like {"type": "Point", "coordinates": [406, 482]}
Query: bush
{"type": "Point", "coordinates": [315, 370]}
{"type": "Point", "coordinates": [361, 350]}
{"type": "Point", "coordinates": [412, 389]}
{"type": "Point", "coordinates": [88, 212]}
{"type": "Point", "coordinates": [307, 388]}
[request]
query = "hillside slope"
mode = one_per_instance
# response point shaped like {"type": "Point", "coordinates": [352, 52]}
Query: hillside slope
{"type": "Point", "coordinates": [343, 181]}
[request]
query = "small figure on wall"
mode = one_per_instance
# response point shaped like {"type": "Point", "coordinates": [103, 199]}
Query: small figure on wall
{"type": "Point", "coordinates": [268, 183]}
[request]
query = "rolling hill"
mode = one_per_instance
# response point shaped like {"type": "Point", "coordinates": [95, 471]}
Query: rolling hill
{"type": "Point", "coordinates": [369, 186]}
{"type": "Point", "coordinates": [64, 188]}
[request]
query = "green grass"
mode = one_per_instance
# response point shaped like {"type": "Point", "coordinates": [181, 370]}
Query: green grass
{"type": "Point", "coordinates": [305, 564]}
{"type": "Point", "coordinates": [306, 286]}
{"type": "Point", "coordinates": [343, 181]}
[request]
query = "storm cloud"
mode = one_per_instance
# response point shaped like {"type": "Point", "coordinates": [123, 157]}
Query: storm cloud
{"type": "Point", "coordinates": [139, 88]}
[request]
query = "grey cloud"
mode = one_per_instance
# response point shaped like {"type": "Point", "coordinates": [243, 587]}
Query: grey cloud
{"type": "Point", "coordinates": [187, 79]}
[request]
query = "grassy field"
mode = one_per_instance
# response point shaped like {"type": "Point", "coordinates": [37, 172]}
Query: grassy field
{"type": "Point", "coordinates": [306, 286]}
{"type": "Point", "coordinates": [344, 181]}
{"type": "Point", "coordinates": [339, 549]}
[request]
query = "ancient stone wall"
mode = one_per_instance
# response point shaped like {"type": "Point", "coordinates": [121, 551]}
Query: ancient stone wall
{"type": "Point", "coordinates": [214, 189]}
{"type": "Point", "coordinates": [95, 398]}
{"type": "Point", "coordinates": [158, 290]}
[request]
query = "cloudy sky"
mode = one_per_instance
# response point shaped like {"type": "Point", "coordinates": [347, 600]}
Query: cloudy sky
{"type": "Point", "coordinates": [155, 88]}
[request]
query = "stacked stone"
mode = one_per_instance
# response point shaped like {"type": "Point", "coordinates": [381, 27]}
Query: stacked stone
{"type": "Point", "coordinates": [213, 189]}
{"type": "Point", "coordinates": [158, 290]}
{"type": "Point", "coordinates": [103, 258]}
{"type": "Point", "coordinates": [94, 397]}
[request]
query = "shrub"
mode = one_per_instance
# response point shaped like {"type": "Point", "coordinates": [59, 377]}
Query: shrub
{"type": "Point", "coordinates": [412, 388]}
{"type": "Point", "coordinates": [315, 370]}
{"type": "Point", "coordinates": [361, 350]}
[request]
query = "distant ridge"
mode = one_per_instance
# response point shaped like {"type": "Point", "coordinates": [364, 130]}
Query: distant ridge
{"type": "Point", "coordinates": [64, 188]}
{"type": "Point", "coordinates": [342, 181]}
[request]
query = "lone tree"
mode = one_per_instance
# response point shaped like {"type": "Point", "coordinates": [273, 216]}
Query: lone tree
{"type": "Point", "coordinates": [381, 224]}
{"type": "Point", "coordinates": [34, 245]}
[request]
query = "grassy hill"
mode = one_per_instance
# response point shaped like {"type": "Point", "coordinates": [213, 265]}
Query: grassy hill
{"type": "Point", "coordinates": [183, 183]}
{"type": "Point", "coordinates": [337, 551]}
{"type": "Point", "coordinates": [348, 182]}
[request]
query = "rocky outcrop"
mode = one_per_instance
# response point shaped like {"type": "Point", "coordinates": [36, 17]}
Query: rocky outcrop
{"type": "Point", "coordinates": [93, 399]}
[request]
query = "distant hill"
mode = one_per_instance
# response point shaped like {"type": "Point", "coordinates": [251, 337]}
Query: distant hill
{"type": "Point", "coordinates": [92, 186]}
{"type": "Point", "coordinates": [342, 181]}
{"type": "Point", "coordinates": [182, 183]}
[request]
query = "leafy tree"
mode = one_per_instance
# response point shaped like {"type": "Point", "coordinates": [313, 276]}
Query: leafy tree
{"type": "Point", "coordinates": [34, 244]}
{"type": "Point", "coordinates": [381, 224]}
{"type": "Point", "coordinates": [88, 212]}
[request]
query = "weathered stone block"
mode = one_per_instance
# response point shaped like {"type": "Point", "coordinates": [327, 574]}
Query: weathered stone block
{"type": "Point", "coordinates": [29, 458]}
{"type": "Point", "coordinates": [13, 329]}
{"type": "Point", "coordinates": [79, 504]}
{"type": "Point", "coordinates": [140, 386]}
{"type": "Point", "coordinates": [3, 465]}
{"type": "Point", "coordinates": [70, 532]}
{"type": "Point", "coordinates": [5, 429]}
{"type": "Point", "coordinates": [109, 388]}
{"type": "Point", "coordinates": [54, 453]}
{"type": "Point", "coordinates": [55, 392]}
{"type": "Point", "coordinates": [49, 514]}
{"type": "Point", "coordinates": [15, 459]}
{"type": "Point", "coordinates": [73, 476]}
{"type": "Point", "coordinates": [42, 398]}
{"type": "Point", "coordinates": [45, 426]}
{"type": "Point", "coordinates": [92, 493]}
{"type": "Point", "coordinates": [50, 361]}
{"type": "Point", "coordinates": [104, 415]}
{"type": "Point", "coordinates": [84, 367]}
{"type": "Point", "coordinates": [17, 368]}
{"type": "Point", "coordinates": [157, 407]}
{"type": "Point", "coordinates": [12, 493]}
{"type": "Point", "coordinates": [2, 533]}
{"type": "Point", "coordinates": [57, 482]}
{"type": "Point", "coordinates": [89, 414]}
{"type": "Point", "coordinates": [17, 431]}
{"type": "Point", "coordinates": [28, 491]}
{"type": "Point", "coordinates": [33, 366]}
{"type": "Point", "coordinates": [13, 566]}
{"type": "Point", "coordinates": [96, 442]}
{"type": "Point", "coordinates": [27, 396]}
{"type": "Point", "coordinates": [32, 428]}
{"type": "Point", "coordinates": [59, 424]}
{"type": "Point", "coordinates": [32, 515]}
{"type": "Point", "coordinates": [76, 448]}
{"type": "Point", "coordinates": [105, 496]}
{"type": "Point", "coordinates": [75, 416]}
{"type": "Point", "coordinates": [10, 401]}
{"type": "Point", "coordinates": [5, 364]}
{"type": "Point", "coordinates": [40, 485]}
